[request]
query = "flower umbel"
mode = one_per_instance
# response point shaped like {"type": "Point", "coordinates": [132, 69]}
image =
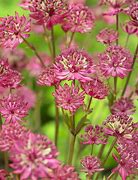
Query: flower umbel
{"type": "Point", "coordinates": [74, 64]}
{"type": "Point", "coordinates": [69, 97]}
{"type": "Point", "coordinates": [13, 29]}
{"type": "Point", "coordinates": [34, 157]}
{"type": "Point", "coordinates": [115, 61]}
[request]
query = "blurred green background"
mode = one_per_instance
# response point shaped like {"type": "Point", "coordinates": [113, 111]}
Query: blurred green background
{"type": "Point", "coordinates": [47, 112]}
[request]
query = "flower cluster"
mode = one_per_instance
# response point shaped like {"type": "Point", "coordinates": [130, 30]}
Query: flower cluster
{"type": "Point", "coordinates": [13, 29]}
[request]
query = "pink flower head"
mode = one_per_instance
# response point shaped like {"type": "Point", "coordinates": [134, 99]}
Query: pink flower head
{"type": "Point", "coordinates": [27, 95]}
{"type": "Point", "coordinates": [79, 19]}
{"type": "Point", "coordinates": [69, 97]}
{"type": "Point", "coordinates": [123, 105]}
{"type": "Point", "coordinates": [34, 157]}
{"type": "Point", "coordinates": [95, 88]}
{"type": "Point", "coordinates": [91, 165]}
{"type": "Point", "coordinates": [74, 64]}
{"type": "Point", "coordinates": [13, 108]}
{"type": "Point", "coordinates": [16, 58]}
{"type": "Point", "coordinates": [64, 172]}
{"type": "Point", "coordinates": [128, 157]}
{"type": "Point", "coordinates": [8, 78]}
{"type": "Point", "coordinates": [107, 36]}
{"type": "Point", "coordinates": [130, 28]}
{"type": "Point", "coordinates": [133, 12]}
{"type": "Point", "coordinates": [48, 77]}
{"type": "Point", "coordinates": [13, 29]}
{"type": "Point", "coordinates": [10, 133]}
{"type": "Point", "coordinates": [35, 67]}
{"type": "Point", "coordinates": [3, 174]}
{"type": "Point", "coordinates": [115, 61]}
{"type": "Point", "coordinates": [119, 125]}
{"type": "Point", "coordinates": [46, 12]}
{"type": "Point", "coordinates": [94, 135]}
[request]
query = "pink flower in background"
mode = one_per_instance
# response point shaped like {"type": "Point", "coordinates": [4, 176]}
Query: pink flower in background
{"type": "Point", "coordinates": [107, 36]}
{"type": "Point", "coordinates": [94, 135]}
{"type": "Point", "coordinates": [3, 174]}
{"type": "Point", "coordinates": [64, 172]}
{"type": "Point", "coordinates": [128, 157]}
{"type": "Point", "coordinates": [79, 19]}
{"type": "Point", "coordinates": [46, 12]}
{"type": "Point", "coordinates": [13, 108]}
{"type": "Point", "coordinates": [10, 133]}
{"type": "Point", "coordinates": [133, 12]}
{"type": "Point", "coordinates": [27, 95]}
{"type": "Point", "coordinates": [74, 64]}
{"type": "Point", "coordinates": [34, 157]}
{"type": "Point", "coordinates": [119, 125]}
{"type": "Point", "coordinates": [115, 61]}
{"type": "Point", "coordinates": [35, 67]}
{"type": "Point", "coordinates": [8, 78]}
{"type": "Point", "coordinates": [95, 88]}
{"type": "Point", "coordinates": [91, 164]}
{"type": "Point", "coordinates": [130, 28]}
{"type": "Point", "coordinates": [13, 29]}
{"type": "Point", "coordinates": [69, 97]}
{"type": "Point", "coordinates": [16, 57]}
{"type": "Point", "coordinates": [123, 105]}
{"type": "Point", "coordinates": [76, 1]}
{"type": "Point", "coordinates": [48, 77]}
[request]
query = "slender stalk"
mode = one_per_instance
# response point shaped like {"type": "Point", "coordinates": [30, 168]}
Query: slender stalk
{"type": "Point", "coordinates": [107, 155]}
{"type": "Point", "coordinates": [129, 75]}
{"type": "Point", "coordinates": [53, 43]}
{"type": "Point", "coordinates": [71, 150]}
{"type": "Point", "coordinates": [110, 176]}
{"type": "Point", "coordinates": [72, 141]}
{"type": "Point", "coordinates": [71, 39]}
{"type": "Point", "coordinates": [6, 161]}
{"type": "Point", "coordinates": [115, 86]}
{"type": "Point", "coordinates": [117, 26]}
{"type": "Point", "coordinates": [34, 50]}
{"type": "Point", "coordinates": [90, 101]}
{"type": "Point", "coordinates": [92, 149]}
{"type": "Point", "coordinates": [101, 151]}
{"type": "Point", "coordinates": [0, 122]}
{"type": "Point", "coordinates": [56, 124]}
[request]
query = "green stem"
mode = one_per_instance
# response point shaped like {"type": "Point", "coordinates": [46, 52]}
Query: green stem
{"type": "Point", "coordinates": [53, 43]}
{"type": "Point", "coordinates": [101, 151]}
{"type": "Point", "coordinates": [115, 86]}
{"type": "Point", "coordinates": [117, 26]}
{"type": "Point", "coordinates": [71, 150]}
{"type": "Point", "coordinates": [92, 149]}
{"type": "Point", "coordinates": [129, 75]}
{"type": "Point", "coordinates": [127, 39]}
{"type": "Point", "coordinates": [34, 50]}
{"type": "Point", "coordinates": [71, 39]}
{"type": "Point", "coordinates": [90, 101]}
{"type": "Point", "coordinates": [56, 124]}
{"type": "Point", "coordinates": [6, 160]}
{"type": "Point", "coordinates": [0, 122]}
{"type": "Point", "coordinates": [111, 175]}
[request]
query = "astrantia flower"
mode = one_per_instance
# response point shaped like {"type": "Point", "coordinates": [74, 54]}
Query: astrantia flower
{"type": "Point", "coordinates": [34, 157]}
{"type": "Point", "coordinates": [10, 133]}
{"type": "Point", "coordinates": [107, 36]}
{"type": "Point", "coordinates": [69, 97]}
{"type": "Point", "coordinates": [133, 12]}
{"type": "Point", "coordinates": [79, 19]}
{"type": "Point", "coordinates": [27, 95]}
{"type": "Point", "coordinates": [3, 174]}
{"type": "Point", "coordinates": [8, 78]}
{"type": "Point", "coordinates": [74, 64]}
{"type": "Point", "coordinates": [46, 12]}
{"type": "Point", "coordinates": [91, 165]}
{"type": "Point", "coordinates": [128, 157]}
{"type": "Point", "coordinates": [35, 67]}
{"type": "Point", "coordinates": [13, 29]}
{"type": "Point", "coordinates": [119, 125]}
{"type": "Point", "coordinates": [48, 77]}
{"type": "Point", "coordinates": [13, 108]}
{"type": "Point", "coordinates": [65, 172]}
{"type": "Point", "coordinates": [123, 105]}
{"type": "Point", "coordinates": [130, 28]}
{"type": "Point", "coordinates": [94, 135]}
{"type": "Point", "coordinates": [115, 61]}
{"type": "Point", "coordinates": [95, 88]}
